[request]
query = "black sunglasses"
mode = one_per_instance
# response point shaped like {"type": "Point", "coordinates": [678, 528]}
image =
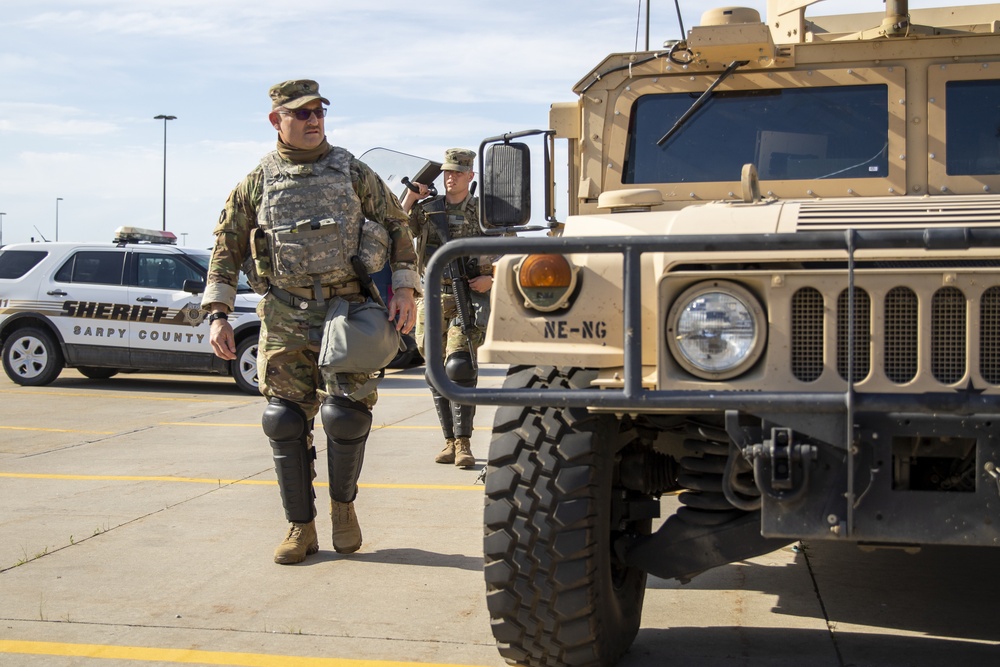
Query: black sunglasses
{"type": "Point", "coordinates": [303, 114]}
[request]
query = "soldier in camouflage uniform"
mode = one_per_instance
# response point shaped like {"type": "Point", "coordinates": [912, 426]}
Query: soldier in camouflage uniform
{"type": "Point", "coordinates": [291, 225]}
{"type": "Point", "coordinates": [435, 221]}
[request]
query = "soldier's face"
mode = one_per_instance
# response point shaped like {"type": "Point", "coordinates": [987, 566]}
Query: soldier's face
{"type": "Point", "coordinates": [304, 134]}
{"type": "Point", "coordinates": [457, 182]}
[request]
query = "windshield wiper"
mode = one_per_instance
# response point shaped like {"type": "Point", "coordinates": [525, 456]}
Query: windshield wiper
{"type": "Point", "coordinates": [698, 103]}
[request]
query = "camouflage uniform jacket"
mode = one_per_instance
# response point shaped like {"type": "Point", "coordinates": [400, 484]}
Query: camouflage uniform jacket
{"type": "Point", "coordinates": [462, 220]}
{"type": "Point", "coordinates": [239, 219]}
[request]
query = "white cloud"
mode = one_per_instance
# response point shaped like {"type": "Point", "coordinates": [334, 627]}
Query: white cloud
{"type": "Point", "coordinates": [129, 22]}
{"type": "Point", "coordinates": [51, 120]}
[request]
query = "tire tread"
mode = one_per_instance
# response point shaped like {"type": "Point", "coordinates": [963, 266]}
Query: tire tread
{"type": "Point", "coordinates": [540, 544]}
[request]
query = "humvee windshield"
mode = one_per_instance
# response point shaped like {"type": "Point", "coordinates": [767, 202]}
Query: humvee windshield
{"type": "Point", "coordinates": [790, 134]}
{"type": "Point", "coordinates": [973, 127]}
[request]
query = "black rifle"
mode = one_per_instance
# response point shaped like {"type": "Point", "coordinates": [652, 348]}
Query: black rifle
{"type": "Point", "coordinates": [458, 272]}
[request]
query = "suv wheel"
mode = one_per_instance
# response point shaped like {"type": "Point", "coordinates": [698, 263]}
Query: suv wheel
{"type": "Point", "coordinates": [245, 366]}
{"type": "Point", "coordinates": [556, 591]}
{"type": "Point", "coordinates": [31, 357]}
{"type": "Point", "coordinates": [95, 373]}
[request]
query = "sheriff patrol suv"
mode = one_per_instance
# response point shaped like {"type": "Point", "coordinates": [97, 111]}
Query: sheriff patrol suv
{"type": "Point", "coordinates": [102, 308]}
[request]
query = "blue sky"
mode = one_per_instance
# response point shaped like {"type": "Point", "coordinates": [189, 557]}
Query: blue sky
{"type": "Point", "coordinates": [83, 80]}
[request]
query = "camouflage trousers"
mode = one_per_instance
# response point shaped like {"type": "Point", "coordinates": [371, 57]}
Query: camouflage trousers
{"type": "Point", "coordinates": [453, 339]}
{"type": "Point", "coordinates": [288, 354]}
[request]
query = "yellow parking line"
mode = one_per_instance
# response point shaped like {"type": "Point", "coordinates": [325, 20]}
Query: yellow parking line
{"type": "Point", "coordinates": [132, 395]}
{"type": "Point", "coordinates": [141, 396]}
{"type": "Point", "coordinates": [224, 482]}
{"type": "Point", "coordinates": [254, 425]}
{"type": "Point", "coordinates": [193, 656]}
{"type": "Point", "coordinates": [376, 427]}
{"type": "Point", "coordinates": [426, 487]}
{"type": "Point", "coordinates": [53, 430]}
{"type": "Point", "coordinates": [131, 478]}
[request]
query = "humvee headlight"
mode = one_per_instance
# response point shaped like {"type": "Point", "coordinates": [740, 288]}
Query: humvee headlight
{"type": "Point", "coordinates": [546, 281]}
{"type": "Point", "coordinates": [716, 330]}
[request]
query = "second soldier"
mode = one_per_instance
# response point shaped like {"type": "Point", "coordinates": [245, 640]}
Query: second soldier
{"type": "Point", "coordinates": [435, 221]}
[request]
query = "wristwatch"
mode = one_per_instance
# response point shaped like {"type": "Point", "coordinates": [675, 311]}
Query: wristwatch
{"type": "Point", "coordinates": [218, 315]}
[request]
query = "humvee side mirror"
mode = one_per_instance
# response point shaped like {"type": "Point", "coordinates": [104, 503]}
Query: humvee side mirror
{"type": "Point", "coordinates": [505, 169]}
{"type": "Point", "coordinates": [507, 185]}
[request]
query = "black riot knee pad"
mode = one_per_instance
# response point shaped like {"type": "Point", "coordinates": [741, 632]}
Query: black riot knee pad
{"type": "Point", "coordinates": [283, 420]}
{"type": "Point", "coordinates": [286, 427]}
{"type": "Point", "coordinates": [344, 419]}
{"type": "Point", "coordinates": [460, 368]}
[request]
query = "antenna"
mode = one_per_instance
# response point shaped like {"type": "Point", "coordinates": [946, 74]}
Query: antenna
{"type": "Point", "coordinates": [677, 4]}
{"type": "Point", "coordinates": [638, 16]}
{"type": "Point", "coordinates": [40, 233]}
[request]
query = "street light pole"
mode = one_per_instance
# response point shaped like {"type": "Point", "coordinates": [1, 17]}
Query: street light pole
{"type": "Point", "coordinates": [164, 118]}
{"type": "Point", "coordinates": [58, 199]}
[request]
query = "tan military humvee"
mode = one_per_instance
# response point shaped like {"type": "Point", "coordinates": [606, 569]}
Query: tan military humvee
{"type": "Point", "coordinates": [777, 292]}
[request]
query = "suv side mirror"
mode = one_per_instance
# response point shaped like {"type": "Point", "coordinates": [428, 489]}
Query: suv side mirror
{"type": "Point", "coordinates": [193, 286]}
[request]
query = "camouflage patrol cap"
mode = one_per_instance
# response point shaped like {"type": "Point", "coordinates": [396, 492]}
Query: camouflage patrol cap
{"type": "Point", "coordinates": [458, 159]}
{"type": "Point", "coordinates": [293, 94]}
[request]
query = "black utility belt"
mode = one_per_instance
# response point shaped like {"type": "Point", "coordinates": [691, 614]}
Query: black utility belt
{"type": "Point", "coordinates": [303, 297]}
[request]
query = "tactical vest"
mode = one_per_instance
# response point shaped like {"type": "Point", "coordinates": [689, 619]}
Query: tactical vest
{"type": "Point", "coordinates": [440, 221]}
{"type": "Point", "coordinates": [310, 224]}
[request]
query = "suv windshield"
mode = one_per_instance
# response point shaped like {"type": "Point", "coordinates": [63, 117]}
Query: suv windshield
{"type": "Point", "coordinates": [790, 134]}
{"type": "Point", "coordinates": [242, 287]}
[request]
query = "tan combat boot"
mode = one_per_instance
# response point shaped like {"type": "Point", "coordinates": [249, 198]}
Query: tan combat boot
{"type": "Point", "coordinates": [346, 529]}
{"type": "Point", "coordinates": [300, 542]}
{"type": "Point", "coordinates": [463, 453]}
{"type": "Point", "coordinates": [446, 455]}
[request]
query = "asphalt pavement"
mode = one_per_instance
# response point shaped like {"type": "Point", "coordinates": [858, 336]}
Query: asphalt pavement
{"type": "Point", "coordinates": [140, 513]}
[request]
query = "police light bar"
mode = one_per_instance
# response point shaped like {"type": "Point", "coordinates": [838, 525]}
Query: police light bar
{"type": "Point", "coordinates": [139, 235]}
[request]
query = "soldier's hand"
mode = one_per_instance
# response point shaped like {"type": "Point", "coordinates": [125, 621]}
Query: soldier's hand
{"type": "Point", "coordinates": [222, 339]}
{"type": "Point", "coordinates": [411, 197]}
{"type": "Point", "coordinates": [403, 305]}
{"type": "Point", "coordinates": [481, 283]}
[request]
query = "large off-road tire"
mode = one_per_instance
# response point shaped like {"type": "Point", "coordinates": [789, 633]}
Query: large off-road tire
{"type": "Point", "coordinates": [556, 592]}
{"type": "Point", "coordinates": [245, 366]}
{"type": "Point", "coordinates": [32, 357]}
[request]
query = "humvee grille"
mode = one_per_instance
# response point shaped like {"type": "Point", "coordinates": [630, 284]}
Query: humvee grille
{"type": "Point", "coordinates": [989, 335]}
{"type": "Point", "coordinates": [894, 350]}
{"type": "Point", "coordinates": [807, 338]}
{"type": "Point", "coordinates": [861, 359]}
{"type": "Point", "coordinates": [900, 322]}
{"type": "Point", "coordinates": [948, 335]}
